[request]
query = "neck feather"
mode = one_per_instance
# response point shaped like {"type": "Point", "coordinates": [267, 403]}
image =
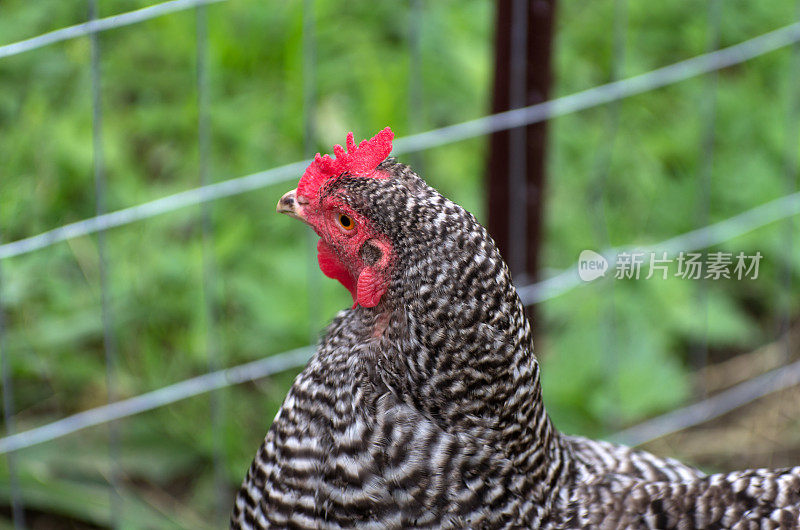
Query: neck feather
{"type": "Point", "coordinates": [459, 342]}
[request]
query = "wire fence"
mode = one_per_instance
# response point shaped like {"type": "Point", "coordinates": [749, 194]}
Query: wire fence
{"type": "Point", "coordinates": [109, 341]}
{"type": "Point", "coordinates": [98, 25]}
{"type": "Point", "coordinates": [712, 407]}
{"type": "Point", "coordinates": [195, 386]}
{"type": "Point", "coordinates": [206, 192]}
{"type": "Point", "coordinates": [553, 287]}
{"type": "Point", "coordinates": [501, 121]}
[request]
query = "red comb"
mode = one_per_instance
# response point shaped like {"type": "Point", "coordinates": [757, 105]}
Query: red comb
{"type": "Point", "coordinates": [358, 160]}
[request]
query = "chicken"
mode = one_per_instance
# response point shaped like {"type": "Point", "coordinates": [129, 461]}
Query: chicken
{"type": "Point", "coordinates": [422, 406]}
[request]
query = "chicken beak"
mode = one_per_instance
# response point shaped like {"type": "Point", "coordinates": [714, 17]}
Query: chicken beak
{"type": "Point", "coordinates": [289, 205]}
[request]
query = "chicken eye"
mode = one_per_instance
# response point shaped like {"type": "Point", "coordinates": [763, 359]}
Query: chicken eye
{"type": "Point", "coordinates": [346, 222]}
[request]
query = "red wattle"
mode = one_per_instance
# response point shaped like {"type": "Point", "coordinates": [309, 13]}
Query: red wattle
{"type": "Point", "coordinates": [332, 268]}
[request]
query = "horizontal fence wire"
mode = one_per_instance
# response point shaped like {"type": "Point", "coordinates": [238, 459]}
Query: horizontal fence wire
{"type": "Point", "coordinates": [586, 99]}
{"type": "Point", "coordinates": [156, 207]}
{"type": "Point", "coordinates": [561, 283]}
{"type": "Point", "coordinates": [100, 24]}
{"type": "Point", "coordinates": [707, 236]}
{"type": "Point", "coordinates": [713, 407]}
{"type": "Point", "coordinates": [599, 95]}
{"type": "Point", "coordinates": [163, 396]}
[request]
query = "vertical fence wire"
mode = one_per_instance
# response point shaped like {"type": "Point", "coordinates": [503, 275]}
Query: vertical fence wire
{"type": "Point", "coordinates": [708, 113]}
{"type": "Point", "coordinates": [792, 181]}
{"type": "Point", "coordinates": [209, 265]}
{"type": "Point", "coordinates": [415, 77]}
{"type": "Point", "coordinates": [17, 507]}
{"type": "Point", "coordinates": [518, 139]}
{"type": "Point", "coordinates": [602, 170]}
{"type": "Point", "coordinates": [309, 48]}
{"type": "Point", "coordinates": [109, 341]}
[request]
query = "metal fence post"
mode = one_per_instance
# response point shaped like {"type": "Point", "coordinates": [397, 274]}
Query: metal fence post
{"type": "Point", "coordinates": [517, 163]}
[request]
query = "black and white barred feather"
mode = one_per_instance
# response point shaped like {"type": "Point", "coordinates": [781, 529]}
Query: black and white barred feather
{"type": "Point", "coordinates": [426, 410]}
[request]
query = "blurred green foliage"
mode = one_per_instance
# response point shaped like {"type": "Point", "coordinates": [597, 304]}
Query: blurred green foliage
{"type": "Point", "coordinates": [613, 352]}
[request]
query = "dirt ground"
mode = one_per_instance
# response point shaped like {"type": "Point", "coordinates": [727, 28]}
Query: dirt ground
{"type": "Point", "coordinates": [764, 433]}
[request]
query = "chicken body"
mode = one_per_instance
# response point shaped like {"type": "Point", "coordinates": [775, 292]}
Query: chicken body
{"type": "Point", "coordinates": [425, 409]}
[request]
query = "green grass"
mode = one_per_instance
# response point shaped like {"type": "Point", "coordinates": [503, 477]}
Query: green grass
{"type": "Point", "coordinates": [612, 355]}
